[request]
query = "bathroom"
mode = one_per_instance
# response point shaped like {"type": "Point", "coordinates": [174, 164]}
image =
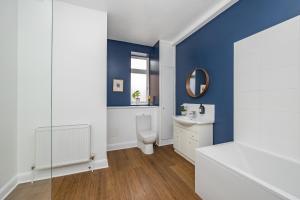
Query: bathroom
{"type": "Point", "coordinates": [169, 99]}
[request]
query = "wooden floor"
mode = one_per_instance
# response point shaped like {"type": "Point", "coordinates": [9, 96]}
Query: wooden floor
{"type": "Point", "coordinates": [131, 175]}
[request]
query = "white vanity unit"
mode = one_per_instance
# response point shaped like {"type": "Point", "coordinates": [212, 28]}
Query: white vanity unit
{"type": "Point", "coordinates": [193, 131]}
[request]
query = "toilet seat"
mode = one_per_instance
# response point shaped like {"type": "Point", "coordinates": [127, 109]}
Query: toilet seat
{"type": "Point", "coordinates": [147, 137]}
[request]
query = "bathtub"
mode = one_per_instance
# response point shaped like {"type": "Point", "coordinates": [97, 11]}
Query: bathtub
{"type": "Point", "coordinates": [233, 171]}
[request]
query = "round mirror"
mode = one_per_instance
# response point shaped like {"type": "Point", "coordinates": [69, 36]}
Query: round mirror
{"type": "Point", "coordinates": [197, 83]}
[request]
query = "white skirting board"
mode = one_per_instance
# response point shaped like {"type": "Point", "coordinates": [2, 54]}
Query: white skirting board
{"type": "Point", "coordinates": [61, 171]}
{"type": "Point", "coordinates": [45, 174]}
{"type": "Point", "coordinates": [165, 142]}
{"type": "Point", "coordinates": [8, 187]}
{"type": "Point", "coordinates": [123, 145]}
{"type": "Point", "coordinates": [132, 144]}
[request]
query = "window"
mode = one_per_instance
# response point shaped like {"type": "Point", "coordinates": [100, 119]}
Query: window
{"type": "Point", "coordinates": [139, 79]}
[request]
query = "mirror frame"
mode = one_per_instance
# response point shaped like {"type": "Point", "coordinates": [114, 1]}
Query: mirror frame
{"type": "Point", "coordinates": [188, 85]}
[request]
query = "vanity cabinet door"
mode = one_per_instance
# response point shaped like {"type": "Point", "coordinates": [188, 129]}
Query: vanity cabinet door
{"type": "Point", "coordinates": [183, 144]}
{"type": "Point", "coordinates": [191, 147]}
{"type": "Point", "coordinates": [179, 139]}
{"type": "Point", "coordinates": [176, 138]}
{"type": "Point", "coordinates": [188, 138]}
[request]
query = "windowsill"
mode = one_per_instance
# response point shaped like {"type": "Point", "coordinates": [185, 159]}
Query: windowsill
{"type": "Point", "coordinates": [140, 104]}
{"type": "Point", "coordinates": [132, 106]}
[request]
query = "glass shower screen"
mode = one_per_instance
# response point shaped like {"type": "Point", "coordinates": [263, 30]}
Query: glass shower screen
{"type": "Point", "coordinates": [25, 99]}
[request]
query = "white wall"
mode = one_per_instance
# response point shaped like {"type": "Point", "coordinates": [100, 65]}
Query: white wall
{"type": "Point", "coordinates": [8, 95]}
{"type": "Point", "coordinates": [79, 75]}
{"type": "Point", "coordinates": [267, 90]}
{"type": "Point", "coordinates": [121, 130]}
{"type": "Point", "coordinates": [79, 71]}
{"type": "Point", "coordinates": [34, 76]}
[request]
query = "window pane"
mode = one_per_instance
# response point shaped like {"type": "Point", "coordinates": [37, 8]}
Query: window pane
{"type": "Point", "coordinates": [139, 82]}
{"type": "Point", "coordinates": [138, 63]}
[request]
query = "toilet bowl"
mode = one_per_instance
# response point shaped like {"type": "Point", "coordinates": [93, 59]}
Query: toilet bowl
{"type": "Point", "coordinates": [146, 137]}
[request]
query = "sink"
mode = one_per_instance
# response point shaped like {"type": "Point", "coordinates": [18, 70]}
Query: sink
{"type": "Point", "coordinates": [186, 121]}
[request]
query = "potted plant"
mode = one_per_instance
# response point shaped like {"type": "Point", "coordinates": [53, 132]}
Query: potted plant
{"type": "Point", "coordinates": [183, 110]}
{"type": "Point", "coordinates": [136, 95]}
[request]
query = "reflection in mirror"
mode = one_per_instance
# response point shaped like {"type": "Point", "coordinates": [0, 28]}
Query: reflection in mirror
{"type": "Point", "coordinates": [197, 82]}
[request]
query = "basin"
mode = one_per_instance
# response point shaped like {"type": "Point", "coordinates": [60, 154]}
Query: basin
{"type": "Point", "coordinates": [186, 121]}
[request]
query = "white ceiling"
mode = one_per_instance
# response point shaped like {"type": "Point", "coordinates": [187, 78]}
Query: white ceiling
{"type": "Point", "coordinates": [147, 21]}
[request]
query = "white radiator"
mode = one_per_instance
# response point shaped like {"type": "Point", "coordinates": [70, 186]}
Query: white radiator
{"type": "Point", "coordinates": [70, 145]}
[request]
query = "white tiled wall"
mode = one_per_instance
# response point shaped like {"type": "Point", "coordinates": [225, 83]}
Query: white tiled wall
{"type": "Point", "coordinates": [267, 89]}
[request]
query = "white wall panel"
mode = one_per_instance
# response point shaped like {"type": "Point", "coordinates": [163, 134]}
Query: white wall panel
{"type": "Point", "coordinates": [121, 130]}
{"type": "Point", "coordinates": [34, 76]}
{"type": "Point", "coordinates": [267, 89]}
{"type": "Point", "coordinates": [8, 95]}
{"type": "Point", "coordinates": [79, 71]}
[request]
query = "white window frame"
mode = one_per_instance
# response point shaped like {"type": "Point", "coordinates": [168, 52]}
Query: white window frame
{"type": "Point", "coordinates": [140, 71]}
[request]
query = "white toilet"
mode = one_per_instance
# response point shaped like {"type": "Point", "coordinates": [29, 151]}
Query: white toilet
{"type": "Point", "coordinates": [146, 137]}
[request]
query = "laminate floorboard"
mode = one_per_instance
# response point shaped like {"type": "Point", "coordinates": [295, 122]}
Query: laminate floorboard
{"type": "Point", "coordinates": [131, 176]}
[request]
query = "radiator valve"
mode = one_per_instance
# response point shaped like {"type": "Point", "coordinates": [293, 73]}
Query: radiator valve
{"type": "Point", "coordinates": [92, 156]}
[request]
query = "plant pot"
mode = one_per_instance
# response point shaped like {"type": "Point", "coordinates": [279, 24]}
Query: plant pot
{"type": "Point", "coordinates": [183, 113]}
{"type": "Point", "coordinates": [137, 100]}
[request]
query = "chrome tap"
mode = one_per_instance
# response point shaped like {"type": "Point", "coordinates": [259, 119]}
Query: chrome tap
{"type": "Point", "coordinates": [192, 114]}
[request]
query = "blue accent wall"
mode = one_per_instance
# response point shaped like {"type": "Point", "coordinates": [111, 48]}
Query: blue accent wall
{"type": "Point", "coordinates": [212, 48]}
{"type": "Point", "coordinates": [118, 67]}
